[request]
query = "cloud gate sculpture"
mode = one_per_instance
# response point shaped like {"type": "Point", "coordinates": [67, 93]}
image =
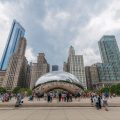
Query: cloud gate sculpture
{"type": "Point", "coordinates": [58, 80]}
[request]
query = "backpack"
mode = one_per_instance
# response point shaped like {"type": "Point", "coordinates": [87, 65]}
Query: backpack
{"type": "Point", "coordinates": [106, 94]}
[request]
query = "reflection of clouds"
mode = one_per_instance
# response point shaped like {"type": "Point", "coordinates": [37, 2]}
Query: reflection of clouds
{"type": "Point", "coordinates": [64, 76]}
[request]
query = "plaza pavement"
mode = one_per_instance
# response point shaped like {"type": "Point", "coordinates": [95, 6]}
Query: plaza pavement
{"type": "Point", "coordinates": [59, 113]}
{"type": "Point", "coordinates": [113, 102]}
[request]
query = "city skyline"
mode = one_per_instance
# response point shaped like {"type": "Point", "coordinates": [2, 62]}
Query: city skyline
{"type": "Point", "coordinates": [57, 26]}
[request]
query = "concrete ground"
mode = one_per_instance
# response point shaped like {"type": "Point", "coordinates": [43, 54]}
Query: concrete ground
{"type": "Point", "coordinates": [59, 113]}
{"type": "Point", "coordinates": [76, 110]}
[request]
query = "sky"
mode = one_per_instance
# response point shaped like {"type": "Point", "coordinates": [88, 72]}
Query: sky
{"type": "Point", "coordinates": [52, 26]}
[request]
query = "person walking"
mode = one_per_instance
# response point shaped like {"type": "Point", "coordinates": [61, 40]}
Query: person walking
{"type": "Point", "coordinates": [105, 102]}
{"type": "Point", "coordinates": [19, 100]}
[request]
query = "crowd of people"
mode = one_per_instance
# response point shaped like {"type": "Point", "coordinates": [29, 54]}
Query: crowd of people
{"type": "Point", "coordinates": [61, 97]}
{"type": "Point", "coordinates": [6, 97]}
{"type": "Point", "coordinates": [99, 100]}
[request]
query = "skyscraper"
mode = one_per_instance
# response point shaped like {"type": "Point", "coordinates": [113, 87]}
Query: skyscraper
{"type": "Point", "coordinates": [15, 74]}
{"type": "Point", "coordinates": [88, 77]}
{"type": "Point", "coordinates": [110, 57]}
{"type": "Point", "coordinates": [75, 66]}
{"type": "Point", "coordinates": [55, 67]}
{"type": "Point", "coordinates": [109, 49]}
{"type": "Point", "coordinates": [2, 76]}
{"type": "Point", "coordinates": [16, 32]}
{"type": "Point", "coordinates": [92, 76]}
{"type": "Point", "coordinates": [38, 69]}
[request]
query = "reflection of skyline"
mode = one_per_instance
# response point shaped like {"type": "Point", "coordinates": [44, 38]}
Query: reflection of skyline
{"type": "Point", "coordinates": [57, 76]}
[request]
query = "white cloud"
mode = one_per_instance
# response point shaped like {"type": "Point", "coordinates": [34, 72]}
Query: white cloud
{"type": "Point", "coordinates": [30, 55]}
{"type": "Point", "coordinates": [4, 28]}
{"type": "Point", "coordinates": [90, 56]}
{"type": "Point", "coordinates": [105, 21]}
{"type": "Point", "coordinates": [55, 20]}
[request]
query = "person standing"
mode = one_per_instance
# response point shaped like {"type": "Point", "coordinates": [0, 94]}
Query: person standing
{"type": "Point", "coordinates": [78, 95]}
{"type": "Point", "coordinates": [96, 101]}
{"type": "Point", "coordinates": [60, 97]}
{"type": "Point", "coordinates": [38, 96]}
{"type": "Point", "coordinates": [99, 101]}
{"type": "Point", "coordinates": [91, 99]}
{"type": "Point", "coordinates": [68, 97]}
{"type": "Point", "coordinates": [48, 97]}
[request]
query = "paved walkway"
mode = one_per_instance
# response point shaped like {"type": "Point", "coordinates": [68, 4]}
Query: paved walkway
{"type": "Point", "coordinates": [61, 113]}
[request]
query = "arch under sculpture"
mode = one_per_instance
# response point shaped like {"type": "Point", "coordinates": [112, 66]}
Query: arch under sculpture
{"type": "Point", "coordinates": [58, 80]}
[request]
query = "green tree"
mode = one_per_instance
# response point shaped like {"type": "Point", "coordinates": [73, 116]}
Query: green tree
{"type": "Point", "coordinates": [25, 91]}
{"type": "Point", "coordinates": [118, 89]}
{"type": "Point", "coordinates": [105, 89]}
{"type": "Point", "coordinates": [16, 90]}
{"type": "Point", "coordinates": [2, 90]}
{"type": "Point", "coordinates": [22, 90]}
{"type": "Point", "coordinates": [113, 89]}
{"type": "Point", "coordinates": [29, 92]}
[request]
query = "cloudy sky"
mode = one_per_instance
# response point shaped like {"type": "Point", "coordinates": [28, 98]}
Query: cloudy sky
{"type": "Point", "coordinates": [53, 25]}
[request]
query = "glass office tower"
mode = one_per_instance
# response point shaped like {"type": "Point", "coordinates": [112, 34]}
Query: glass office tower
{"type": "Point", "coordinates": [109, 49]}
{"type": "Point", "coordinates": [16, 32]}
{"type": "Point", "coordinates": [110, 56]}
